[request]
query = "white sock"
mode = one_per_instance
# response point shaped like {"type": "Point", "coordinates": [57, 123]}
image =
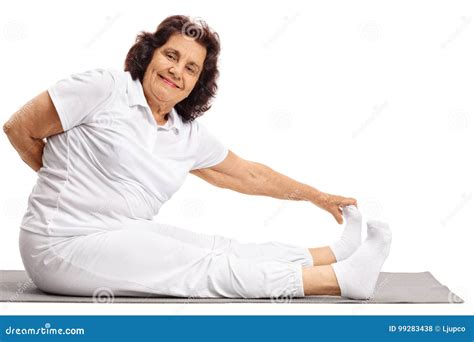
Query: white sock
{"type": "Point", "coordinates": [351, 236]}
{"type": "Point", "coordinates": [357, 275]}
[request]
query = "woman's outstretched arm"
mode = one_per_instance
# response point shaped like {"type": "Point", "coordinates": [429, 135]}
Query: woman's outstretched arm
{"type": "Point", "coordinates": [254, 178]}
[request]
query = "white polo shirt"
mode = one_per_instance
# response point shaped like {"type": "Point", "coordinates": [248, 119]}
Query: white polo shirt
{"type": "Point", "coordinates": [113, 165]}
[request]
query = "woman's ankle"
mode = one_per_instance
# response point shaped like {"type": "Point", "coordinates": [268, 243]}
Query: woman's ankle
{"type": "Point", "coordinates": [320, 280]}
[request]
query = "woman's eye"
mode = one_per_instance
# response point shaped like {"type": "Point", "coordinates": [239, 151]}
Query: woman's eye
{"type": "Point", "coordinates": [171, 56]}
{"type": "Point", "coordinates": [190, 69]}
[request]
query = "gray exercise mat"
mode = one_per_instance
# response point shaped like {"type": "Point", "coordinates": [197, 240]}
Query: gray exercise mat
{"type": "Point", "coordinates": [16, 286]}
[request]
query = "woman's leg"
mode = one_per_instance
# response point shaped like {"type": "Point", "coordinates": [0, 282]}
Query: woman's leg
{"type": "Point", "coordinates": [307, 257]}
{"type": "Point", "coordinates": [320, 280]}
{"type": "Point", "coordinates": [142, 262]}
{"type": "Point", "coordinates": [322, 256]}
{"type": "Point", "coordinates": [130, 262]}
{"type": "Point", "coordinates": [270, 250]}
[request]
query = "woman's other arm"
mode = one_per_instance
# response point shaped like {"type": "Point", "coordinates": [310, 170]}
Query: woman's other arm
{"type": "Point", "coordinates": [26, 129]}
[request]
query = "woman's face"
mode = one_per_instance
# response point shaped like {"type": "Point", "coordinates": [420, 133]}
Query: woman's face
{"type": "Point", "coordinates": [173, 71]}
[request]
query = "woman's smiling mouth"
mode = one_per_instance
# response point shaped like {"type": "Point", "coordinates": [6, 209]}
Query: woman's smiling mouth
{"type": "Point", "coordinates": [168, 81]}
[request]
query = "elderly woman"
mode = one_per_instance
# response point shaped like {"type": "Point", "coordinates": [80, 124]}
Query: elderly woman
{"type": "Point", "coordinates": [120, 144]}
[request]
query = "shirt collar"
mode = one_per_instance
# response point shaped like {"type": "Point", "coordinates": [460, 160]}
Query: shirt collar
{"type": "Point", "coordinates": [136, 96]}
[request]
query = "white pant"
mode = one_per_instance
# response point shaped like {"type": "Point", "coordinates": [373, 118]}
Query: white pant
{"type": "Point", "coordinates": [158, 259]}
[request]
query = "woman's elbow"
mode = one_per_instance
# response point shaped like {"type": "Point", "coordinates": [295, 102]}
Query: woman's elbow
{"type": "Point", "coordinates": [7, 127]}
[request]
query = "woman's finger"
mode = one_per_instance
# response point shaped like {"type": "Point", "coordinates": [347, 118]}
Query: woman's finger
{"type": "Point", "coordinates": [349, 201]}
{"type": "Point", "coordinates": [338, 217]}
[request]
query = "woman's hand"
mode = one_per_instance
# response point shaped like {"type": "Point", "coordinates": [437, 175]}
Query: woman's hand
{"type": "Point", "coordinates": [333, 204]}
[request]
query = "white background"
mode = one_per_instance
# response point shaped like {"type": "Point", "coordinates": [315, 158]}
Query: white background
{"type": "Point", "coordinates": [367, 99]}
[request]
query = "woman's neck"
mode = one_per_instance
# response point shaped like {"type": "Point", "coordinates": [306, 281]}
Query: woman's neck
{"type": "Point", "coordinates": [161, 119]}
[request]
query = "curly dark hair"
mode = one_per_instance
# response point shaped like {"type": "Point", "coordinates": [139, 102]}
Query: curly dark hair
{"type": "Point", "coordinates": [140, 54]}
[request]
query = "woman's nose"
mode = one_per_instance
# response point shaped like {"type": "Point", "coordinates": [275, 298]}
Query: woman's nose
{"type": "Point", "coordinates": [176, 71]}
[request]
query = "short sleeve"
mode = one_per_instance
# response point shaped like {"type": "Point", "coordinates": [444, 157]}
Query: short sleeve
{"type": "Point", "coordinates": [77, 97]}
{"type": "Point", "coordinates": [210, 151]}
